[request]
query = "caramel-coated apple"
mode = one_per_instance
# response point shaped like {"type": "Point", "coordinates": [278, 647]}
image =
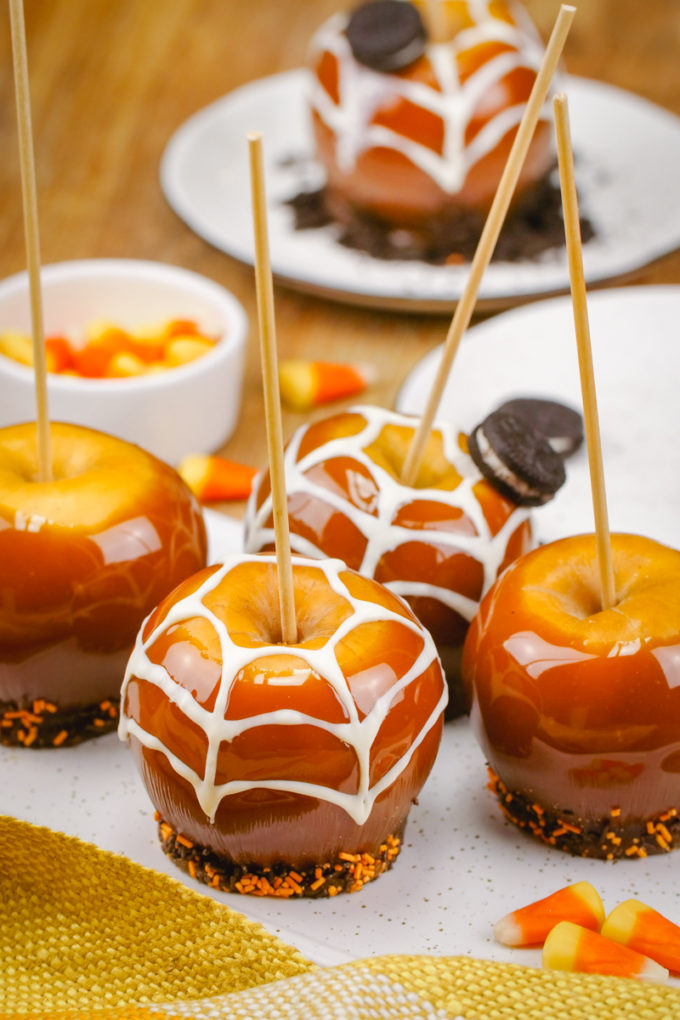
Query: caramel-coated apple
{"type": "Point", "coordinates": [439, 543]}
{"type": "Point", "coordinates": [283, 770]}
{"type": "Point", "coordinates": [577, 708]}
{"type": "Point", "coordinates": [84, 558]}
{"type": "Point", "coordinates": [413, 131]}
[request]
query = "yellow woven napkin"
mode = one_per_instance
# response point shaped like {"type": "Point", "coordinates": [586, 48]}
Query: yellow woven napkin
{"type": "Point", "coordinates": [88, 935]}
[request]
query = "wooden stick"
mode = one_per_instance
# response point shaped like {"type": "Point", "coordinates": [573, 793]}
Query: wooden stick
{"type": "Point", "coordinates": [272, 403]}
{"type": "Point", "coordinates": [435, 20]}
{"type": "Point", "coordinates": [30, 204]}
{"type": "Point", "coordinates": [489, 236]}
{"type": "Point", "coordinates": [572, 227]}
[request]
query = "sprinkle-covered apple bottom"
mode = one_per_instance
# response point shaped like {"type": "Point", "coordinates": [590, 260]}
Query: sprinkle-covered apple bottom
{"type": "Point", "coordinates": [605, 838]}
{"type": "Point", "coordinates": [348, 872]}
{"type": "Point", "coordinates": [41, 723]}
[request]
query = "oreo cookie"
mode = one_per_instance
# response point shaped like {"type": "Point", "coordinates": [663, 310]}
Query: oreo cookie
{"type": "Point", "coordinates": [516, 459]}
{"type": "Point", "coordinates": [386, 35]}
{"type": "Point", "coordinates": [561, 425]}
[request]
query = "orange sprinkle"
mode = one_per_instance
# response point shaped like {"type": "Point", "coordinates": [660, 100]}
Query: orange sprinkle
{"type": "Point", "coordinates": [294, 874]}
{"type": "Point", "coordinates": [333, 890]}
{"type": "Point", "coordinates": [99, 722]}
{"type": "Point", "coordinates": [661, 828]}
{"type": "Point", "coordinates": [183, 841]}
{"type": "Point", "coordinates": [60, 738]}
{"type": "Point", "coordinates": [192, 869]}
{"type": "Point", "coordinates": [317, 885]}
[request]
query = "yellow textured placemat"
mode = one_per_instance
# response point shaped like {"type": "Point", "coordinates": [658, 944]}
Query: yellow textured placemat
{"type": "Point", "coordinates": [88, 935]}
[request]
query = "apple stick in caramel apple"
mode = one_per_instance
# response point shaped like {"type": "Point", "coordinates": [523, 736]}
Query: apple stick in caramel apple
{"type": "Point", "coordinates": [32, 233]}
{"type": "Point", "coordinates": [489, 236]}
{"type": "Point", "coordinates": [572, 665]}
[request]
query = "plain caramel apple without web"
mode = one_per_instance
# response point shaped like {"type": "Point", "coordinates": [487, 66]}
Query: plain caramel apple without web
{"type": "Point", "coordinates": [83, 559]}
{"type": "Point", "coordinates": [283, 769]}
{"type": "Point", "coordinates": [578, 709]}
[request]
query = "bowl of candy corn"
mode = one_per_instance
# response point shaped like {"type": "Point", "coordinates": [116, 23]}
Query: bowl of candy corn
{"type": "Point", "coordinates": [146, 351]}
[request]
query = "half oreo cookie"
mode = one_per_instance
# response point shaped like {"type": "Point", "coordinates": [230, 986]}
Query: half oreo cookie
{"type": "Point", "coordinates": [386, 35]}
{"type": "Point", "coordinates": [561, 425]}
{"type": "Point", "coordinates": [516, 459]}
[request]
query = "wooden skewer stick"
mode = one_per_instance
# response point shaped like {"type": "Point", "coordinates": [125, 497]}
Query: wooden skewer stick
{"type": "Point", "coordinates": [30, 204]}
{"type": "Point", "coordinates": [489, 236]}
{"type": "Point", "coordinates": [436, 20]}
{"type": "Point", "coordinates": [272, 403]}
{"type": "Point", "coordinates": [572, 226]}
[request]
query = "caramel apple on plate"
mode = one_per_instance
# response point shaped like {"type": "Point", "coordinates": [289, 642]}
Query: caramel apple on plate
{"type": "Point", "coordinates": [84, 557]}
{"type": "Point", "coordinates": [414, 121]}
{"type": "Point", "coordinates": [440, 542]}
{"type": "Point", "coordinates": [277, 768]}
{"type": "Point", "coordinates": [577, 708]}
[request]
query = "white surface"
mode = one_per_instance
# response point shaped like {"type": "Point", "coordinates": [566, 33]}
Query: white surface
{"type": "Point", "coordinates": [462, 866]}
{"type": "Point", "coordinates": [627, 164]}
{"type": "Point", "coordinates": [531, 351]}
{"type": "Point", "coordinates": [190, 409]}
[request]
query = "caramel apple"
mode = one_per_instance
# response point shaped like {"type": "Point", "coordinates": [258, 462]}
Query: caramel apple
{"type": "Point", "coordinates": [83, 559]}
{"type": "Point", "coordinates": [439, 543]}
{"type": "Point", "coordinates": [415, 133]}
{"type": "Point", "coordinates": [578, 709]}
{"type": "Point", "coordinates": [283, 769]}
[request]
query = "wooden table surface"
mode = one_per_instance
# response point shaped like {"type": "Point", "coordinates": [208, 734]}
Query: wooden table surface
{"type": "Point", "coordinates": [111, 80]}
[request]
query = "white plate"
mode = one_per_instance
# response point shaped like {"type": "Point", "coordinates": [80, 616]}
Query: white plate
{"type": "Point", "coordinates": [531, 351]}
{"type": "Point", "coordinates": [628, 160]}
{"type": "Point", "coordinates": [462, 866]}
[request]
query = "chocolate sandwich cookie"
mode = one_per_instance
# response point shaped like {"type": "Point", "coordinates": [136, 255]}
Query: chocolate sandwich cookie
{"type": "Point", "coordinates": [516, 458]}
{"type": "Point", "coordinates": [561, 425]}
{"type": "Point", "coordinates": [386, 35]}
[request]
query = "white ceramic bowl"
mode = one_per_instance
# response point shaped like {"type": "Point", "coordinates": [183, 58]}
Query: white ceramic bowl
{"type": "Point", "coordinates": [189, 409]}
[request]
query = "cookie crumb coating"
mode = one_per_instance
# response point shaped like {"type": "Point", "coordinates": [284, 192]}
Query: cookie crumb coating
{"type": "Point", "coordinates": [346, 873]}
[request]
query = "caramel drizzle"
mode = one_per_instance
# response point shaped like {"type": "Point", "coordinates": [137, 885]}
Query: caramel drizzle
{"type": "Point", "coordinates": [359, 734]}
{"type": "Point", "coordinates": [362, 91]}
{"type": "Point", "coordinates": [383, 536]}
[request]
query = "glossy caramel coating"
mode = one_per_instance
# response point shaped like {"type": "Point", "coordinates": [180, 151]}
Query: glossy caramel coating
{"type": "Point", "coordinates": [341, 503]}
{"type": "Point", "coordinates": [258, 825]}
{"type": "Point", "coordinates": [83, 559]}
{"type": "Point", "coordinates": [385, 181]}
{"type": "Point", "coordinates": [578, 709]}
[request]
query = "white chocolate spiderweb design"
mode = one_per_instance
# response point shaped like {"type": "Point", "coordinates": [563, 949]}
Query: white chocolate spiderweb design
{"type": "Point", "coordinates": [363, 91]}
{"type": "Point", "coordinates": [360, 734]}
{"type": "Point", "coordinates": [382, 534]}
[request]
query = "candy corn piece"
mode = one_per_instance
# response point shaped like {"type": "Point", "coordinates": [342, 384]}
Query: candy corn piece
{"type": "Point", "coordinates": [570, 947]}
{"type": "Point", "coordinates": [212, 478]}
{"type": "Point", "coordinates": [307, 384]}
{"type": "Point", "coordinates": [530, 925]}
{"type": "Point", "coordinates": [644, 929]}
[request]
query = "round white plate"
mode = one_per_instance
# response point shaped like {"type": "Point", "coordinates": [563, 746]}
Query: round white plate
{"type": "Point", "coordinates": [628, 159]}
{"type": "Point", "coordinates": [461, 869]}
{"type": "Point", "coordinates": [531, 351]}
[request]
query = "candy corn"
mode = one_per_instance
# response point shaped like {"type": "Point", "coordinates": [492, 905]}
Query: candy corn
{"type": "Point", "coordinates": [107, 351]}
{"type": "Point", "coordinates": [307, 384]}
{"type": "Point", "coordinates": [530, 925]}
{"type": "Point", "coordinates": [571, 947]}
{"type": "Point", "coordinates": [212, 478]}
{"type": "Point", "coordinates": [644, 929]}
